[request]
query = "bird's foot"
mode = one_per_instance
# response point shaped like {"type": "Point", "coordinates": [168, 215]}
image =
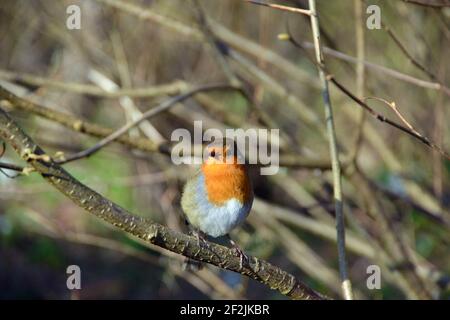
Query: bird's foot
{"type": "Point", "coordinates": [201, 240]}
{"type": "Point", "coordinates": [189, 263]}
{"type": "Point", "coordinates": [244, 259]}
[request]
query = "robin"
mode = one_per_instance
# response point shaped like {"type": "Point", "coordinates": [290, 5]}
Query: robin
{"type": "Point", "coordinates": [218, 198]}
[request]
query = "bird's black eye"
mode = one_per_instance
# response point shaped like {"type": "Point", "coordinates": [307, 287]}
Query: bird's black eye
{"type": "Point", "coordinates": [213, 153]}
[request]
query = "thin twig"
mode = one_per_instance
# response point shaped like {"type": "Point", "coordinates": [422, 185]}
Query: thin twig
{"type": "Point", "coordinates": [388, 237]}
{"type": "Point", "coordinates": [430, 3]}
{"type": "Point", "coordinates": [147, 115]}
{"type": "Point", "coordinates": [90, 90]}
{"type": "Point", "coordinates": [415, 62]}
{"type": "Point", "coordinates": [384, 70]}
{"type": "Point", "coordinates": [439, 120]}
{"type": "Point", "coordinates": [382, 118]}
{"type": "Point", "coordinates": [441, 20]}
{"type": "Point", "coordinates": [394, 107]}
{"type": "Point", "coordinates": [128, 105]}
{"type": "Point", "coordinates": [337, 184]}
{"type": "Point", "coordinates": [407, 54]}
{"type": "Point", "coordinates": [10, 166]}
{"type": "Point", "coordinates": [360, 74]}
{"type": "Point", "coordinates": [280, 7]}
{"type": "Point", "coordinates": [218, 46]}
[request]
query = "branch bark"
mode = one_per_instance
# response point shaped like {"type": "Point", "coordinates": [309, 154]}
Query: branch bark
{"type": "Point", "coordinates": [145, 229]}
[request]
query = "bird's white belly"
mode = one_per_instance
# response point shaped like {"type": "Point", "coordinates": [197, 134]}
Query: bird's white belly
{"type": "Point", "coordinates": [218, 221]}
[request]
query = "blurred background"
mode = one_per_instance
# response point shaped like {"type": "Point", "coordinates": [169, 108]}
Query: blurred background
{"type": "Point", "coordinates": [130, 55]}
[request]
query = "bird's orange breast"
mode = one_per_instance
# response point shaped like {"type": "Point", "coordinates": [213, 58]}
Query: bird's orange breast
{"type": "Point", "coordinates": [226, 181]}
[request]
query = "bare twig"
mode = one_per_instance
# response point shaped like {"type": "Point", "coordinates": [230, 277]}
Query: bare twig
{"type": "Point", "coordinates": [147, 115]}
{"type": "Point", "coordinates": [280, 7]}
{"type": "Point", "coordinates": [394, 107]}
{"type": "Point", "coordinates": [87, 89]}
{"type": "Point", "coordinates": [337, 184]}
{"type": "Point", "coordinates": [430, 3]}
{"type": "Point", "coordinates": [10, 166]}
{"type": "Point", "coordinates": [414, 61]}
{"type": "Point", "coordinates": [360, 73]}
{"type": "Point", "coordinates": [128, 105]}
{"type": "Point", "coordinates": [217, 46]}
{"type": "Point", "coordinates": [408, 55]}
{"type": "Point", "coordinates": [384, 70]}
{"type": "Point", "coordinates": [382, 118]}
{"type": "Point", "coordinates": [389, 238]}
{"type": "Point", "coordinates": [439, 120]}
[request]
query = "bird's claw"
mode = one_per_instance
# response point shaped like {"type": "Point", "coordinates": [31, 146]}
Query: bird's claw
{"type": "Point", "coordinates": [201, 240]}
{"type": "Point", "coordinates": [243, 258]}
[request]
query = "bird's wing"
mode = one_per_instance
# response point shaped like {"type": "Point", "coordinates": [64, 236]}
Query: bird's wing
{"type": "Point", "coordinates": [188, 200]}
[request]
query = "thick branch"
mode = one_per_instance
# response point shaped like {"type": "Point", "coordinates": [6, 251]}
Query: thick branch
{"type": "Point", "coordinates": [145, 229]}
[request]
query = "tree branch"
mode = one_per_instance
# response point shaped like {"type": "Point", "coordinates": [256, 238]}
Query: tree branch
{"type": "Point", "coordinates": [145, 229]}
{"type": "Point", "coordinates": [336, 168]}
{"type": "Point", "coordinates": [91, 90]}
